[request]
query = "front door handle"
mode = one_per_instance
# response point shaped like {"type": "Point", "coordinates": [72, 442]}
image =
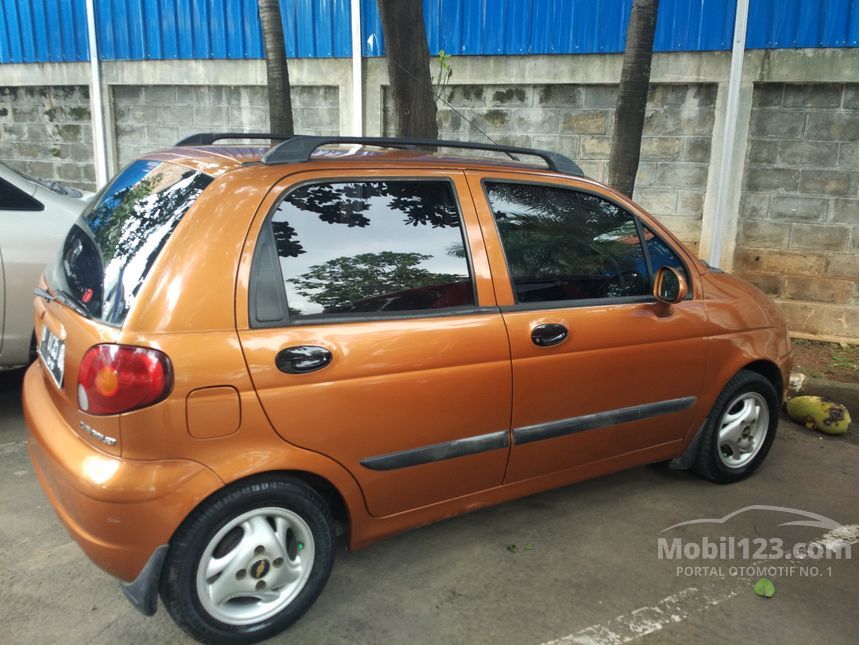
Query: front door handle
{"type": "Point", "coordinates": [302, 359]}
{"type": "Point", "coordinates": [548, 334]}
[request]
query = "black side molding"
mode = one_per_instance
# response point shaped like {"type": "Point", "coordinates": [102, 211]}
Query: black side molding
{"type": "Point", "coordinates": [541, 431]}
{"type": "Point", "coordinates": [438, 451]}
{"type": "Point", "coordinates": [142, 592]}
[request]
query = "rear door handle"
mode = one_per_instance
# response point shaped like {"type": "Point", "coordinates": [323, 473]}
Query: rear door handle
{"type": "Point", "coordinates": [549, 334]}
{"type": "Point", "coordinates": [302, 359]}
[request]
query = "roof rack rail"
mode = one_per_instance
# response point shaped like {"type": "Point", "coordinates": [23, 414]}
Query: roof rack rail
{"type": "Point", "coordinates": [300, 148]}
{"type": "Point", "coordinates": [208, 138]}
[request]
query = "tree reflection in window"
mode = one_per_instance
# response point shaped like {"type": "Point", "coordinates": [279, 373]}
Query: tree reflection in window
{"type": "Point", "coordinates": [129, 225]}
{"type": "Point", "coordinates": [346, 283]}
{"type": "Point", "coordinates": [372, 246]}
{"type": "Point", "coordinates": [563, 244]}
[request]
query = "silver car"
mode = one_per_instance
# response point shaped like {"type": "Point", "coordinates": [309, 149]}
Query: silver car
{"type": "Point", "coordinates": [35, 216]}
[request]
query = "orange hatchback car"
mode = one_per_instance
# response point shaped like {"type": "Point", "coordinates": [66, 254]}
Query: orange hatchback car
{"type": "Point", "coordinates": [245, 351]}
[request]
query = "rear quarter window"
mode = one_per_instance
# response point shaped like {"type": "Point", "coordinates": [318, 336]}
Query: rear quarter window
{"type": "Point", "coordinates": [109, 252]}
{"type": "Point", "coordinates": [14, 199]}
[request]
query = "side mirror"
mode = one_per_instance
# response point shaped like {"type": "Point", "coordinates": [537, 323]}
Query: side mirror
{"type": "Point", "coordinates": [670, 286]}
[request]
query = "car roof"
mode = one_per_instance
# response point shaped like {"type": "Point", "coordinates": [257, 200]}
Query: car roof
{"type": "Point", "coordinates": [198, 153]}
{"type": "Point", "coordinates": [212, 160]}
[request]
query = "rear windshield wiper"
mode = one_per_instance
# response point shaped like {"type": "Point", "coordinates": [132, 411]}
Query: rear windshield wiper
{"type": "Point", "coordinates": [66, 298]}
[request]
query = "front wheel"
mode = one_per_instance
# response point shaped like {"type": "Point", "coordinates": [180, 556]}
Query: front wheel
{"type": "Point", "coordinates": [739, 430]}
{"type": "Point", "coordinates": [249, 562]}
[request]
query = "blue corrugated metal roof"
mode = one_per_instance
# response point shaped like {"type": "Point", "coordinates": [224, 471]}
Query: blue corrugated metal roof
{"type": "Point", "coordinates": [516, 27]}
{"type": "Point", "coordinates": [802, 23]}
{"type": "Point", "coordinates": [39, 31]}
{"type": "Point", "coordinates": [55, 30]}
{"type": "Point", "coordinates": [163, 29]}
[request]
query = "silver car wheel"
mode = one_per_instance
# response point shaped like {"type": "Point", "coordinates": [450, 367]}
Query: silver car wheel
{"type": "Point", "coordinates": [255, 565]}
{"type": "Point", "coordinates": [743, 429]}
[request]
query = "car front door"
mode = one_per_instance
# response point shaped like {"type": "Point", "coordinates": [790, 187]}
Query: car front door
{"type": "Point", "coordinates": [600, 374]}
{"type": "Point", "coordinates": [372, 336]}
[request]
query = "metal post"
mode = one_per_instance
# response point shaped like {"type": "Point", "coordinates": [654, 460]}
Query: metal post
{"type": "Point", "coordinates": [731, 124]}
{"type": "Point", "coordinates": [357, 87]}
{"type": "Point", "coordinates": [96, 111]}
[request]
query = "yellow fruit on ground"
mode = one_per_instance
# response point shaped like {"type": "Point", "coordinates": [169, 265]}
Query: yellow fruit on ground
{"type": "Point", "coordinates": [818, 413]}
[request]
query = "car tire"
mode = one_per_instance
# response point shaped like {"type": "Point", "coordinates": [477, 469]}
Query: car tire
{"type": "Point", "coordinates": [739, 430]}
{"type": "Point", "coordinates": [249, 562]}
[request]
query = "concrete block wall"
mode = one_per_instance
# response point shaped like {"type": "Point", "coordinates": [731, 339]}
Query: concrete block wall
{"type": "Point", "coordinates": [154, 116]}
{"type": "Point", "coordinates": [578, 120]}
{"type": "Point", "coordinates": [791, 191]}
{"type": "Point", "coordinates": [46, 131]}
{"type": "Point", "coordinates": [797, 233]}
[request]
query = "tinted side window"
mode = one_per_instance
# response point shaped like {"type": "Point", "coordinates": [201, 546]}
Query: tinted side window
{"type": "Point", "coordinates": [14, 199]}
{"type": "Point", "coordinates": [661, 254]}
{"type": "Point", "coordinates": [564, 244]}
{"type": "Point", "coordinates": [372, 247]}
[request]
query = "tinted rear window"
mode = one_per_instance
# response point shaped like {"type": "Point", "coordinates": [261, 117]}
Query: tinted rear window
{"type": "Point", "coordinates": [110, 250]}
{"type": "Point", "coordinates": [14, 199]}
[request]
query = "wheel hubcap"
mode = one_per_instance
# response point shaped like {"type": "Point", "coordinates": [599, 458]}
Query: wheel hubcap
{"type": "Point", "coordinates": [255, 565]}
{"type": "Point", "coordinates": [743, 429]}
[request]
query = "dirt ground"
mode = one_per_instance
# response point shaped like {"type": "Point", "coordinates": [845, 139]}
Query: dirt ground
{"type": "Point", "coordinates": [831, 361]}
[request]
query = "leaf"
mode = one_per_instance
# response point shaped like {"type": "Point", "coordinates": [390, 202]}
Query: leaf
{"type": "Point", "coordinates": [764, 588]}
{"type": "Point", "coordinates": [529, 547]}
{"type": "Point", "coordinates": [512, 548]}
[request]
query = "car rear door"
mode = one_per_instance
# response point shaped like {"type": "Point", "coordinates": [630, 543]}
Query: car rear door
{"type": "Point", "coordinates": [598, 374]}
{"type": "Point", "coordinates": [371, 334]}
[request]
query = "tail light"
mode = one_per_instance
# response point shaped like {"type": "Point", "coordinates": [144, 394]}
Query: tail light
{"type": "Point", "coordinates": [118, 378]}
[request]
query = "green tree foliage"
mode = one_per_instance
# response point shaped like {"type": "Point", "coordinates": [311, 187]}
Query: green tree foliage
{"type": "Point", "coordinates": [344, 281]}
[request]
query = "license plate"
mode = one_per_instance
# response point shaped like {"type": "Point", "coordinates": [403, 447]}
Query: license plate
{"type": "Point", "coordinates": [52, 351]}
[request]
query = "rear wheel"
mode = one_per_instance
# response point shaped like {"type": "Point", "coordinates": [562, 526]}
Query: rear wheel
{"type": "Point", "coordinates": [249, 562]}
{"type": "Point", "coordinates": [739, 430]}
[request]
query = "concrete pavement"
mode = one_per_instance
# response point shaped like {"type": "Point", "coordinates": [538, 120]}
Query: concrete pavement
{"type": "Point", "coordinates": [574, 565]}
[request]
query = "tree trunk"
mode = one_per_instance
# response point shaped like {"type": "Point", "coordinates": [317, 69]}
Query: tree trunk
{"type": "Point", "coordinates": [632, 96]}
{"type": "Point", "coordinates": [408, 68]}
{"type": "Point", "coordinates": [277, 74]}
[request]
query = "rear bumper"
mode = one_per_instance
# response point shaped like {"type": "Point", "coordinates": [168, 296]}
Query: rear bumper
{"type": "Point", "coordinates": [118, 510]}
